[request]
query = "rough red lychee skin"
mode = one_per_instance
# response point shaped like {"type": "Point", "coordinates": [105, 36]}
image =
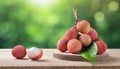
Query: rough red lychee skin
{"type": "Point", "coordinates": [74, 46]}
{"type": "Point", "coordinates": [71, 33]}
{"type": "Point", "coordinates": [83, 26]}
{"type": "Point", "coordinates": [62, 44]}
{"type": "Point", "coordinates": [102, 46]}
{"type": "Point", "coordinates": [93, 34]}
{"type": "Point", "coordinates": [19, 51]}
{"type": "Point", "coordinates": [38, 56]}
{"type": "Point", "coordinates": [85, 39]}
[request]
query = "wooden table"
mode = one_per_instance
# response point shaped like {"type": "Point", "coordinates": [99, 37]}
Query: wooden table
{"type": "Point", "coordinates": [7, 61]}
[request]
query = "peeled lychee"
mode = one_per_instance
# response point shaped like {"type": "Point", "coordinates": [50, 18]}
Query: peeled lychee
{"type": "Point", "coordinates": [83, 26]}
{"type": "Point", "coordinates": [93, 34]}
{"type": "Point", "coordinates": [74, 46]}
{"type": "Point", "coordinates": [85, 39]}
{"type": "Point", "coordinates": [35, 53]}
{"type": "Point", "coordinates": [19, 51]}
{"type": "Point", "coordinates": [102, 46]}
{"type": "Point", "coordinates": [71, 33]}
{"type": "Point", "coordinates": [62, 44]}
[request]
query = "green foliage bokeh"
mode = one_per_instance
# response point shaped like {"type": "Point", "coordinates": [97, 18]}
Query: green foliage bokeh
{"type": "Point", "coordinates": [42, 25]}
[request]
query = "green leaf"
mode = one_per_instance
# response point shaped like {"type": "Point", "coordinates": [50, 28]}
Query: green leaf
{"type": "Point", "coordinates": [90, 53]}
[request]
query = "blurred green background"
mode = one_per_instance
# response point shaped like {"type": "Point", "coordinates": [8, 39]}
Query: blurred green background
{"type": "Point", "coordinates": [41, 23]}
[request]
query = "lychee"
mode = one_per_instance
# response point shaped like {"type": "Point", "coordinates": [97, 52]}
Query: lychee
{"type": "Point", "coordinates": [102, 46]}
{"type": "Point", "coordinates": [93, 34]}
{"type": "Point", "coordinates": [62, 44]}
{"type": "Point", "coordinates": [83, 26]}
{"type": "Point", "coordinates": [85, 39]}
{"type": "Point", "coordinates": [71, 33]}
{"type": "Point", "coordinates": [74, 46]}
{"type": "Point", "coordinates": [35, 53]}
{"type": "Point", "coordinates": [19, 51]}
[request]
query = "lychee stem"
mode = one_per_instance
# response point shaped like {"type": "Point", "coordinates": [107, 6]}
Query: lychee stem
{"type": "Point", "coordinates": [76, 18]}
{"type": "Point", "coordinates": [75, 15]}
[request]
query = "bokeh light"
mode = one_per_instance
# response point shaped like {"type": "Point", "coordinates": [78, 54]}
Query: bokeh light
{"type": "Point", "coordinates": [44, 3]}
{"type": "Point", "coordinates": [99, 16]}
{"type": "Point", "coordinates": [113, 6]}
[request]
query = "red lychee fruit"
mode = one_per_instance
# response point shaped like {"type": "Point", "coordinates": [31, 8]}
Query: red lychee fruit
{"type": "Point", "coordinates": [85, 39]}
{"type": "Point", "coordinates": [102, 46]}
{"type": "Point", "coordinates": [93, 34]}
{"type": "Point", "coordinates": [71, 33]}
{"type": "Point", "coordinates": [74, 46]}
{"type": "Point", "coordinates": [62, 44]}
{"type": "Point", "coordinates": [83, 26]}
{"type": "Point", "coordinates": [19, 51]}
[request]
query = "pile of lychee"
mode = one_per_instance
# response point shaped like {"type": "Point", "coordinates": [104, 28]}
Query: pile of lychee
{"type": "Point", "coordinates": [79, 37]}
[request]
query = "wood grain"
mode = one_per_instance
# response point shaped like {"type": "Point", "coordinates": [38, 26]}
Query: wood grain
{"type": "Point", "coordinates": [78, 57]}
{"type": "Point", "coordinates": [7, 61]}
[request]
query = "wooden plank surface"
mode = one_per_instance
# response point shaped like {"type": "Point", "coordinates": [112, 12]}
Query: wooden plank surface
{"type": "Point", "coordinates": [7, 61]}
